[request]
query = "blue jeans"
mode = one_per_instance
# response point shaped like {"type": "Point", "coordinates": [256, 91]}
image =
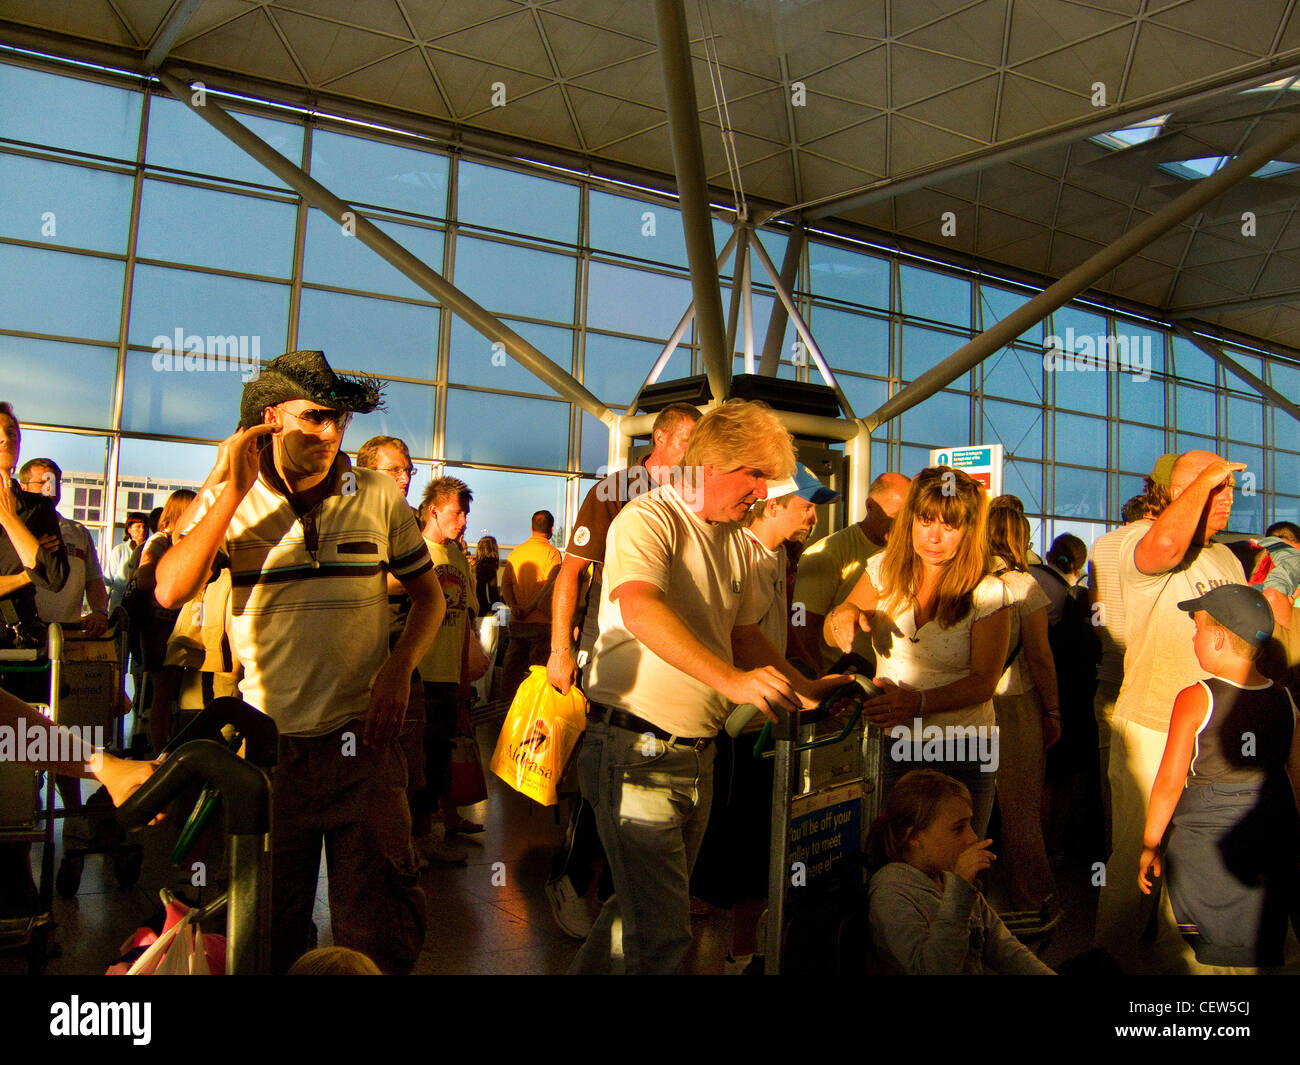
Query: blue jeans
{"type": "Point", "coordinates": [652, 805]}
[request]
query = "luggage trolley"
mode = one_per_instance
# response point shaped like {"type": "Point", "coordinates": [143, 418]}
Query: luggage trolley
{"type": "Point", "coordinates": [25, 816]}
{"type": "Point", "coordinates": [245, 796]}
{"type": "Point", "coordinates": [93, 695]}
{"type": "Point", "coordinates": [825, 791]}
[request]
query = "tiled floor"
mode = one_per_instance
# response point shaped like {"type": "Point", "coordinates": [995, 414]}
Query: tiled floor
{"type": "Point", "coordinates": [487, 917]}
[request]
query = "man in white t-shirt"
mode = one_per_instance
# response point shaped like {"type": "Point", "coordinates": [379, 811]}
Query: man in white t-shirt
{"type": "Point", "coordinates": [1160, 564]}
{"type": "Point", "coordinates": [679, 643]}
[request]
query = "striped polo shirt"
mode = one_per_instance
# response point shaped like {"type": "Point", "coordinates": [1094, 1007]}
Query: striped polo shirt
{"type": "Point", "coordinates": [310, 607]}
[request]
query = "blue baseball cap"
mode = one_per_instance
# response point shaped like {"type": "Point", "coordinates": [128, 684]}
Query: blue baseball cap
{"type": "Point", "coordinates": [1238, 608]}
{"type": "Point", "coordinates": [804, 485]}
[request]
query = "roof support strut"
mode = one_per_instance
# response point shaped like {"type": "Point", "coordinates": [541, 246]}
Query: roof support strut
{"type": "Point", "coordinates": [380, 242]}
{"type": "Point", "coordinates": [1077, 280]}
{"type": "Point", "coordinates": [692, 187]}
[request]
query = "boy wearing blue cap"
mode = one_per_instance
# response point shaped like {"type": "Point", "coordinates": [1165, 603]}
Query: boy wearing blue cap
{"type": "Point", "coordinates": [1233, 853]}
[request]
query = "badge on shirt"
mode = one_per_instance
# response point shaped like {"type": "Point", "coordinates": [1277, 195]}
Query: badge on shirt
{"type": "Point", "coordinates": [581, 535]}
{"type": "Point", "coordinates": [735, 587]}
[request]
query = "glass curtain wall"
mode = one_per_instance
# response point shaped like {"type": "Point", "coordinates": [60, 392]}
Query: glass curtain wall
{"type": "Point", "coordinates": [149, 265]}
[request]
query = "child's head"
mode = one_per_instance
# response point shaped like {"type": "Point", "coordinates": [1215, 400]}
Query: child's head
{"type": "Point", "coordinates": [334, 961]}
{"type": "Point", "coordinates": [925, 823]}
{"type": "Point", "coordinates": [1233, 621]}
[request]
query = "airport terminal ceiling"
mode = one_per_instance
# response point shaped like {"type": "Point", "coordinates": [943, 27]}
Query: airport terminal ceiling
{"type": "Point", "coordinates": [983, 132]}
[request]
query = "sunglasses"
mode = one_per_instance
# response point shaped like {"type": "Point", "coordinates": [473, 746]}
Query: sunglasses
{"type": "Point", "coordinates": [319, 417]}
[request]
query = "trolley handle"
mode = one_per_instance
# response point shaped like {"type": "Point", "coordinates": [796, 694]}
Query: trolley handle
{"type": "Point", "coordinates": [244, 788]}
{"type": "Point", "coordinates": [859, 690]}
{"type": "Point", "coordinates": [257, 729]}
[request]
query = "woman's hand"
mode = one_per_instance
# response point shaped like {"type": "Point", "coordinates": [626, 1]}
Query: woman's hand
{"type": "Point", "coordinates": [842, 624]}
{"type": "Point", "coordinates": [896, 706]}
{"type": "Point", "coordinates": [1051, 730]}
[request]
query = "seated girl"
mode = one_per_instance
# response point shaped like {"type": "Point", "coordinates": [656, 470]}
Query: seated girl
{"type": "Point", "coordinates": [927, 916]}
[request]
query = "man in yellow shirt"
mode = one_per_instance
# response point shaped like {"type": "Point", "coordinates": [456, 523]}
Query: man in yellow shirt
{"type": "Point", "coordinates": [525, 587]}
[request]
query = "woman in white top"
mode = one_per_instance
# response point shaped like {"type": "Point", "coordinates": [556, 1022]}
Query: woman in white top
{"type": "Point", "coordinates": [939, 632]}
{"type": "Point", "coordinates": [1029, 722]}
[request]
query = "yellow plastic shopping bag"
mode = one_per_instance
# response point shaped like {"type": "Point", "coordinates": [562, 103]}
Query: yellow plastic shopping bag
{"type": "Point", "coordinates": [539, 734]}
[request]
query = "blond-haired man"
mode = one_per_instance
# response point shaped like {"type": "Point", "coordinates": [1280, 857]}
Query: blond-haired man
{"type": "Point", "coordinates": [679, 643]}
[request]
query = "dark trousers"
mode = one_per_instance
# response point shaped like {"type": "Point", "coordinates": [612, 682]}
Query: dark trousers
{"type": "Point", "coordinates": [353, 797]}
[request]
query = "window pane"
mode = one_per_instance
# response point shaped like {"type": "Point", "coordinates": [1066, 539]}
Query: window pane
{"type": "Point", "coordinates": [507, 430]}
{"type": "Point", "coordinates": [361, 170]}
{"type": "Point", "coordinates": [595, 445]}
{"type": "Point", "coordinates": [1018, 429]}
{"type": "Point", "coordinates": [163, 466]}
{"type": "Point", "coordinates": [60, 293]}
{"type": "Point", "coordinates": [1247, 511]}
{"type": "Point", "coordinates": [913, 460]}
{"type": "Point", "coordinates": [851, 341]}
{"type": "Point", "coordinates": [1079, 386]}
{"type": "Point", "coordinates": [944, 417]}
{"type": "Point", "coordinates": [75, 453]}
{"type": "Point", "coordinates": [928, 294]}
{"type": "Point", "coordinates": [1080, 439]}
{"type": "Point", "coordinates": [1286, 471]}
{"type": "Point", "coordinates": [1015, 374]}
{"type": "Point", "coordinates": [181, 140]}
{"type": "Point", "coordinates": [222, 230]}
{"type": "Point", "coordinates": [179, 402]}
{"type": "Point", "coordinates": [866, 395]}
{"type": "Point", "coordinates": [378, 336]}
{"type": "Point", "coordinates": [408, 416]}
{"type": "Point", "coordinates": [879, 458]}
{"type": "Point", "coordinates": [1245, 420]}
{"type": "Point", "coordinates": [853, 276]}
{"type": "Point", "coordinates": [1142, 401]}
{"type": "Point", "coordinates": [67, 205]}
{"type": "Point", "coordinates": [637, 228]}
{"type": "Point", "coordinates": [476, 360]}
{"type": "Point", "coordinates": [68, 112]}
{"type": "Point", "coordinates": [168, 302]}
{"type": "Point", "coordinates": [1077, 329]}
{"type": "Point", "coordinates": [1196, 408]}
{"type": "Point", "coordinates": [504, 504]}
{"type": "Point", "coordinates": [59, 384]}
{"type": "Point", "coordinates": [998, 303]}
{"type": "Point", "coordinates": [1139, 447]}
{"type": "Point", "coordinates": [924, 349]}
{"type": "Point", "coordinates": [332, 257]}
{"type": "Point", "coordinates": [613, 367]}
{"type": "Point", "coordinates": [1192, 442]}
{"type": "Point", "coordinates": [1192, 364]}
{"type": "Point", "coordinates": [1285, 508]}
{"type": "Point", "coordinates": [633, 301]}
{"type": "Point", "coordinates": [1080, 493]}
{"type": "Point", "coordinates": [516, 281]}
{"type": "Point", "coordinates": [1258, 480]}
{"type": "Point", "coordinates": [520, 203]}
